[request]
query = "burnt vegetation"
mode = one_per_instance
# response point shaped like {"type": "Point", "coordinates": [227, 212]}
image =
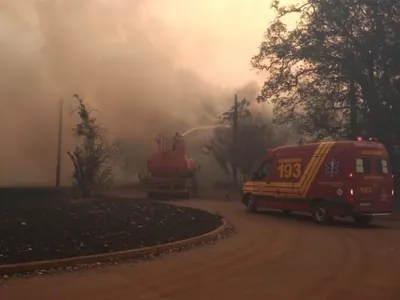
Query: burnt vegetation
{"type": "Point", "coordinates": [44, 224]}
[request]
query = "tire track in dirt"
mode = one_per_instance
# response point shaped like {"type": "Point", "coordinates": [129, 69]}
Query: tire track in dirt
{"type": "Point", "coordinates": [353, 266]}
{"type": "Point", "coordinates": [236, 258]}
{"type": "Point", "coordinates": [318, 289]}
{"type": "Point", "coordinates": [231, 270]}
{"type": "Point", "coordinates": [358, 267]}
{"type": "Point", "coordinates": [265, 268]}
{"type": "Point", "coordinates": [270, 259]}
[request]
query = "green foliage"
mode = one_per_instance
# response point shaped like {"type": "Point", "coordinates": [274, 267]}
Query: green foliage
{"type": "Point", "coordinates": [335, 43]}
{"type": "Point", "coordinates": [243, 113]}
{"type": "Point", "coordinates": [254, 136]}
{"type": "Point", "coordinates": [92, 157]}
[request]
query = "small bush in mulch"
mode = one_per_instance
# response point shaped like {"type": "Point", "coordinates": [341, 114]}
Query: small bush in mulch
{"type": "Point", "coordinates": [40, 224]}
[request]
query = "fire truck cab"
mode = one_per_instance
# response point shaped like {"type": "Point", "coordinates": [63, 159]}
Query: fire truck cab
{"type": "Point", "coordinates": [327, 179]}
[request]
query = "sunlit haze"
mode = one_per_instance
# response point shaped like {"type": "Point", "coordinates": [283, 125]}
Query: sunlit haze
{"type": "Point", "coordinates": [147, 66]}
{"type": "Point", "coordinates": [216, 38]}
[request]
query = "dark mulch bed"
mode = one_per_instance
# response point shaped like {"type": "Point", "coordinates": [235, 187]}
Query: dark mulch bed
{"type": "Point", "coordinates": [43, 224]}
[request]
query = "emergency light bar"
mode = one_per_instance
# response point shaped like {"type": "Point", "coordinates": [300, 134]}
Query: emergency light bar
{"type": "Point", "coordinates": [371, 139]}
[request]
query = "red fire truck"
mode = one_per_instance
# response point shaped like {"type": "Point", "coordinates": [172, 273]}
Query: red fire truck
{"type": "Point", "coordinates": [170, 171]}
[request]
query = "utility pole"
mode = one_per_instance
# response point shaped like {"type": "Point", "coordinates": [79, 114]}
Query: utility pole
{"type": "Point", "coordinates": [235, 126]}
{"type": "Point", "coordinates": [59, 146]}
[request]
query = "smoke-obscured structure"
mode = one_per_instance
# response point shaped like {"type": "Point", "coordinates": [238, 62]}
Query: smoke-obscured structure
{"type": "Point", "coordinates": [117, 55]}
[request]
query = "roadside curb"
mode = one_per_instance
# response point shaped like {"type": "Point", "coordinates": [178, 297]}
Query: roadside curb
{"type": "Point", "coordinates": [118, 255]}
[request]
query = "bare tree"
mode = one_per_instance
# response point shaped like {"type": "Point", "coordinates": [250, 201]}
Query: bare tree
{"type": "Point", "coordinates": [92, 158]}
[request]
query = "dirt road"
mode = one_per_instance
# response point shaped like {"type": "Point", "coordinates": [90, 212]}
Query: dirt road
{"type": "Point", "coordinates": [271, 257]}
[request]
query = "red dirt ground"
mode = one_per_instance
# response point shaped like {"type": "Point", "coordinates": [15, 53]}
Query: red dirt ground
{"type": "Point", "coordinates": [271, 257]}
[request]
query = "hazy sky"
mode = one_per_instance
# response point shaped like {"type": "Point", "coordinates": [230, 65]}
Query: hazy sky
{"type": "Point", "coordinates": [216, 38]}
{"type": "Point", "coordinates": [147, 65]}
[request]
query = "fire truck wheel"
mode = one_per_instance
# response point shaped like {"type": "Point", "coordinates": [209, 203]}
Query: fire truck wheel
{"type": "Point", "coordinates": [320, 212]}
{"type": "Point", "coordinates": [251, 205]}
{"type": "Point", "coordinates": [362, 220]}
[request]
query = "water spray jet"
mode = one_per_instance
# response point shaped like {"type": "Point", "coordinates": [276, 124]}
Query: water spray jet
{"type": "Point", "coordinates": [203, 127]}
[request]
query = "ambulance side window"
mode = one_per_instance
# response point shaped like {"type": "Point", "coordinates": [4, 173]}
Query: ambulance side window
{"type": "Point", "coordinates": [266, 170]}
{"type": "Point", "coordinates": [257, 174]}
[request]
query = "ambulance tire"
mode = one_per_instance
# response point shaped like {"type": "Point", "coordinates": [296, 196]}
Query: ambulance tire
{"type": "Point", "coordinates": [251, 204]}
{"type": "Point", "coordinates": [320, 213]}
{"type": "Point", "coordinates": [362, 220]}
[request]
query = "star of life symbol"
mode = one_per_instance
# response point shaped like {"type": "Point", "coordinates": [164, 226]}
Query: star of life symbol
{"type": "Point", "coordinates": [332, 167]}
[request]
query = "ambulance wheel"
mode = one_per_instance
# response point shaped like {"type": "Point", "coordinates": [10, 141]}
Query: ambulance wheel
{"type": "Point", "coordinates": [362, 220]}
{"type": "Point", "coordinates": [251, 205]}
{"type": "Point", "coordinates": [320, 213]}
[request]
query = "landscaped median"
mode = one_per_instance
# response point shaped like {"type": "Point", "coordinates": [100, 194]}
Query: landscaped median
{"type": "Point", "coordinates": [41, 230]}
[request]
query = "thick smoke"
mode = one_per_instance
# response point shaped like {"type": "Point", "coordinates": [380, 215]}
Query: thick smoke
{"type": "Point", "coordinates": [115, 54]}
